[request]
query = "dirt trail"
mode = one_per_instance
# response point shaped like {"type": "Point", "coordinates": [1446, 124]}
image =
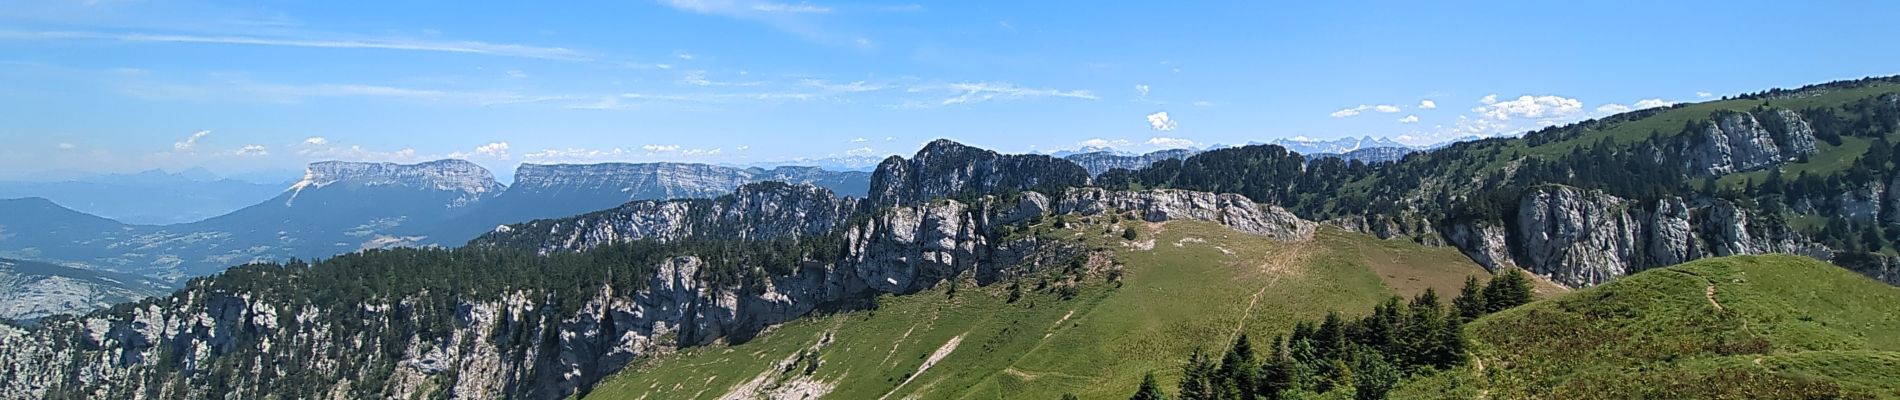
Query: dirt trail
{"type": "Point", "coordinates": [935, 357]}
{"type": "Point", "coordinates": [1710, 293]}
{"type": "Point", "coordinates": [1278, 265]}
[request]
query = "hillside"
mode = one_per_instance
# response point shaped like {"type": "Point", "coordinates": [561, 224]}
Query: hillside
{"type": "Point", "coordinates": [1773, 326]}
{"type": "Point", "coordinates": [30, 290]}
{"type": "Point", "coordinates": [1200, 283]}
{"type": "Point", "coordinates": [1805, 171]}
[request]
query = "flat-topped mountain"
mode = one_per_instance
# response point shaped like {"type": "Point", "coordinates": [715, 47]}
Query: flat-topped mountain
{"type": "Point", "coordinates": [1097, 162]}
{"type": "Point", "coordinates": [471, 182]}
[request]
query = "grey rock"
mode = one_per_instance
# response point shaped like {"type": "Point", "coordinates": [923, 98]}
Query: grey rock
{"type": "Point", "coordinates": [1576, 238]}
{"type": "Point", "coordinates": [1583, 238]}
{"type": "Point", "coordinates": [1487, 244]}
{"type": "Point", "coordinates": [1738, 142]}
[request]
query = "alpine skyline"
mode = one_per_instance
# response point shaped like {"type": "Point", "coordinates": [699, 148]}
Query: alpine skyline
{"type": "Point", "coordinates": [239, 87]}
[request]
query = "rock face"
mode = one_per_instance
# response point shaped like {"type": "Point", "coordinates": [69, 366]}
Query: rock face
{"type": "Point", "coordinates": [1233, 210]}
{"type": "Point", "coordinates": [1577, 239]}
{"type": "Point", "coordinates": [1097, 162]}
{"type": "Point", "coordinates": [946, 169]}
{"type": "Point", "coordinates": [1737, 142]}
{"type": "Point", "coordinates": [526, 344]}
{"type": "Point", "coordinates": [472, 182]}
{"type": "Point", "coordinates": [1583, 238]}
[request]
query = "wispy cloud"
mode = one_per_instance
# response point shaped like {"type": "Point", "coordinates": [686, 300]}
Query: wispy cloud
{"type": "Point", "coordinates": [464, 47]}
{"type": "Point", "coordinates": [254, 150]}
{"type": "Point", "coordinates": [805, 20]}
{"type": "Point", "coordinates": [190, 142]}
{"type": "Point", "coordinates": [978, 92]}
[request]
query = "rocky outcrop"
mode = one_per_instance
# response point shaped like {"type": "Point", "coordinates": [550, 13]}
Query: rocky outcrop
{"type": "Point", "coordinates": [1233, 210]}
{"type": "Point", "coordinates": [946, 169]}
{"type": "Point", "coordinates": [1410, 227]}
{"type": "Point", "coordinates": [1577, 238]}
{"type": "Point", "coordinates": [1737, 142]}
{"type": "Point", "coordinates": [1486, 243]}
{"type": "Point", "coordinates": [1581, 238]}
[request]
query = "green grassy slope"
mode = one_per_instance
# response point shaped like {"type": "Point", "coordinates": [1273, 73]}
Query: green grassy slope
{"type": "Point", "coordinates": [1775, 326]}
{"type": "Point", "coordinates": [1200, 283]}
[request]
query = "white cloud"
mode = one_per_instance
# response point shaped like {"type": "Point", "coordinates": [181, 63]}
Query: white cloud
{"type": "Point", "coordinates": [356, 153]}
{"type": "Point", "coordinates": [1529, 107]}
{"type": "Point", "coordinates": [1427, 104]}
{"type": "Point", "coordinates": [660, 148]}
{"type": "Point", "coordinates": [1160, 122]}
{"type": "Point", "coordinates": [743, 148]}
{"type": "Point", "coordinates": [316, 141]}
{"type": "Point", "coordinates": [1348, 112]}
{"type": "Point", "coordinates": [1100, 142]}
{"type": "Point", "coordinates": [578, 155]}
{"type": "Point", "coordinates": [860, 140]}
{"type": "Point", "coordinates": [1142, 89]}
{"type": "Point", "coordinates": [1653, 103]}
{"type": "Point", "coordinates": [493, 149]}
{"type": "Point", "coordinates": [65, 146]}
{"type": "Point", "coordinates": [1408, 119]}
{"type": "Point", "coordinates": [1612, 108]}
{"type": "Point", "coordinates": [977, 92]}
{"type": "Point", "coordinates": [1170, 142]}
{"type": "Point", "coordinates": [701, 152]}
{"type": "Point", "coordinates": [255, 150]}
{"type": "Point", "coordinates": [890, 138]}
{"type": "Point", "coordinates": [684, 56]}
{"type": "Point", "coordinates": [465, 47]}
{"type": "Point", "coordinates": [1703, 94]}
{"type": "Point", "coordinates": [190, 142]}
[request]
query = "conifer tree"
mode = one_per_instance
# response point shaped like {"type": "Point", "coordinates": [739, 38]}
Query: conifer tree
{"type": "Point", "coordinates": [1470, 303]}
{"type": "Point", "coordinates": [1197, 377]}
{"type": "Point", "coordinates": [1149, 390]}
{"type": "Point", "coordinates": [1511, 289]}
{"type": "Point", "coordinates": [1238, 370]}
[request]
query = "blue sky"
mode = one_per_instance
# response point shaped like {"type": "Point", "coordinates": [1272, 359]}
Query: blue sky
{"type": "Point", "coordinates": [106, 86]}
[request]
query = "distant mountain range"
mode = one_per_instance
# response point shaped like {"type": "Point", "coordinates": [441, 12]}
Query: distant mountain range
{"type": "Point", "coordinates": [341, 207]}
{"type": "Point", "coordinates": [150, 197]}
{"type": "Point", "coordinates": [1101, 160]}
